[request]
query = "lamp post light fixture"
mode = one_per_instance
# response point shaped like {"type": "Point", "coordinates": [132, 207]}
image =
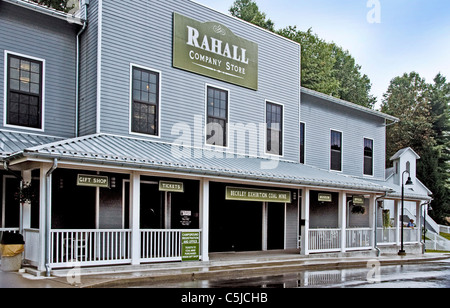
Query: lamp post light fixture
{"type": "Point", "coordinates": [402, 252]}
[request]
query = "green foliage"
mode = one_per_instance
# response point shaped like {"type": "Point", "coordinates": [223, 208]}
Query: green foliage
{"type": "Point", "coordinates": [423, 110]}
{"type": "Point", "coordinates": [317, 61]}
{"type": "Point", "coordinates": [326, 67]}
{"type": "Point", "coordinates": [60, 5]}
{"type": "Point", "coordinates": [248, 10]}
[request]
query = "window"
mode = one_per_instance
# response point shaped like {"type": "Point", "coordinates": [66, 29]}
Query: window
{"type": "Point", "coordinates": [274, 122]}
{"type": "Point", "coordinates": [302, 143]}
{"type": "Point", "coordinates": [368, 156]}
{"type": "Point", "coordinates": [24, 97]}
{"type": "Point", "coordinates": [217, 120]}
{"type": "Point", "coordinates": [336, 151]}
{"type": "Point", "coordinates": [145, 102]}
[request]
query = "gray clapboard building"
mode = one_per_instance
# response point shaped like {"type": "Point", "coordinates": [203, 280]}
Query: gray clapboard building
{"type": "Point", "coordinates": [134, 126]}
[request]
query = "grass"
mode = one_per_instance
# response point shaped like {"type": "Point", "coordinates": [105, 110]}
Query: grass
{"type": "Point", "coordinates": [446, 235]}
{"type": "Point", "coordinates": [436, 251]}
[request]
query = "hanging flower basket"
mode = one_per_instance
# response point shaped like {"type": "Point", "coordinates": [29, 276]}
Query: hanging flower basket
{"type": "Point", "coordinates": [358, 209]}
{"type": "Point", "coordinates": [28, 193]}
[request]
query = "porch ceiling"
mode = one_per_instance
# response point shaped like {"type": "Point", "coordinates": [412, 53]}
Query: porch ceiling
{"type": "Point", "coordinates": [117, 151]}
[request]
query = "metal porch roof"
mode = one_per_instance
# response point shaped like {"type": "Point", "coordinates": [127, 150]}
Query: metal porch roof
{"type": "Point", "coordinates": [13, 142]}
{"type": "Point", "coordinates": [111, 150]}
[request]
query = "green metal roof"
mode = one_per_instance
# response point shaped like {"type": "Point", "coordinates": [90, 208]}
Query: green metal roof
{"type": "Point", "coordinates": [13, 142]}
{"type": "Point", "coordinates": [118, 151]}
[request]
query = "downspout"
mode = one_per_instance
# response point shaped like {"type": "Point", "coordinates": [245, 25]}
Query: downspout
{"type": "Point", "coordinates": [77, 85]}
{"type": "Point", "coordinates": [422, 241]}
{"type": "Point", "coordinates": [375, 243]}
{"type": "Point", "coordinates": [48, 192]}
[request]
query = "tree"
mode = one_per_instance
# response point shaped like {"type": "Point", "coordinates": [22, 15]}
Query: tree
{"type": "Point", "coordinates": [326, 67]}
{"type": "Point", "coordinates": [424, 125]}
{"type": "Point", "coordinates": [440, 116]}
{"type": "Point", "coordinates": [408, 99]}
{"type": "Point", "coordinates": [318, 61]}
{"type": "Point", "coordinates": [60, 5]}
{"type": "Point", "coordinates": [353, 85]}
{"type": "Point", "coordinates": [249, 11]}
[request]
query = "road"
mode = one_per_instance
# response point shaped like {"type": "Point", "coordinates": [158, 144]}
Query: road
{"type": "Point", "coordinates": [425, 275]}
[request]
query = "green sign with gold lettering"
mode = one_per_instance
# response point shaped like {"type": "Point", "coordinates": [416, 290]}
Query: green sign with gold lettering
{"type": "Point", "coordinates": [211, 49]}
{"type": "Point", "coordinates": [258, 195]}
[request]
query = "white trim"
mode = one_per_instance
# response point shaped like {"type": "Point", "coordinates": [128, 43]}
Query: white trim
{"type": "Point", "coordinates": [342, 150]}
{"type": "Point", "coordinates": [5, 92]}
{"type": "Point", "coordinates": [99, 64]}
{"type": "Point", "coordinates": [373, 159]}
{"type": "Point", "coordinates": [205, 140]}
{"type": "Point", "coordinates": [282, 128]}
{"type": "Point", "coordinates": [130, 110]}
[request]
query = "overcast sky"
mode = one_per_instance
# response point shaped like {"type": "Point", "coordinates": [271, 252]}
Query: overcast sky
{"type": "Point", "coordinates": [412, 35]}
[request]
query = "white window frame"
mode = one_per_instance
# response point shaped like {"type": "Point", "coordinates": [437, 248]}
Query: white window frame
{"type": "Point", "coordinates": [373, 158]}
{"type": "Point", "coordinates": [5, 94]}
{"type": "Point", "coordinates": [282, 128]}
{"type": "Point", "coordinates": [342, 150]}
{"type": "Point", "coordinates": [205, 139]}
{"type": "Point", "coordinates": [130, 117]}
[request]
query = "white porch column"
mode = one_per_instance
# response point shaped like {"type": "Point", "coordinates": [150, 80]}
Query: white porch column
{"type": "Point", "coordinates": [42, 215]}
{"type": "Point", "coordinates": [204, 218]}
{"type": "Point", "coordinates": [135, 200]}
{"type": "Point", "coordinates": [372, 218]}
{"type": "Point", "coordinates": [397, 210]}
{"type": "Point", "coordinates": [418, 221]}
{"type": "Point", "coordinates": [25, 220]}
{"type": "Point", "coordinates": [343, 220]}
{"type": "Point", "coordinates": [305, 225]}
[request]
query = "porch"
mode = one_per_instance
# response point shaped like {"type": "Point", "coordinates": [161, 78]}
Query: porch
{"type": "Point", "coordinates": [84, 248]}
{"type": "Point", "coordinates": [334, 222]}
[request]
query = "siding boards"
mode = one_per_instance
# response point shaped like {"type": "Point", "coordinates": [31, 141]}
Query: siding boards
{"type": "Point", "coordinates": [142, 34]}
{"type": "Point", "coordinates": [88, 73]}
{"type": "Point", "coordinates": [50, 39]}
{"type": "Point", "coordinates": [321, 117]}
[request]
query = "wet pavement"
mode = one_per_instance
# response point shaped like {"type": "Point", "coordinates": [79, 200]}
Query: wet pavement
{"type": "Point", "coordinates": [254, 270]}
{"type": "Point", "coordinates": [435, 274]}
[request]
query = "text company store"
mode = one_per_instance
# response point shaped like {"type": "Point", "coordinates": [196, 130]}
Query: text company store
{"type": "Point", "coordinates": [165, 131]}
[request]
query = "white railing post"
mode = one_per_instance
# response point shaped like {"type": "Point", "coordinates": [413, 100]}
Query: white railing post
{"type": "Point", "coordinates": [343, 219]}
{"type": "Point", "coordinates": [135, 198]}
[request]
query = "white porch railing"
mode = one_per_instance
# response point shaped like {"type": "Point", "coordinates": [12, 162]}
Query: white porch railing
{"type": "Point", "coordinates": [324, 240]}
{"type": "Point", "coordinates": [161, 245]}
{"type": "Point", "coordinates": [444, 229]}
{"type": "Point", "coordinates": [14, 230]}
{"type": "Point", "coordinates": [359, 238]}
{"type": "Point", "coordinates": [105, 247]}
{"type": "Point", "coordinates": [386, 235]}
{"type": "Point", "coordinates": [31, 238]}
{"type": "Point", "coordinates": [410, 235]}
{"type": "Point", "coordinates": [89, 247]}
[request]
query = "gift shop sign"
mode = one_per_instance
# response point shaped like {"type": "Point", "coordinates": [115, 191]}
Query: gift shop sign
{"type": "Point", "coordinates": [212, 50]}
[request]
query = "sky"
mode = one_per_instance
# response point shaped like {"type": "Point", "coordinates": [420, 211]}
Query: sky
{"type": "Point", "coordinates": [401, 37]}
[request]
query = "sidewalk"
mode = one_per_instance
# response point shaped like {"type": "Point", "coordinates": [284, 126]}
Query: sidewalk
{"type": "Point", "coordinates": [221, 265]}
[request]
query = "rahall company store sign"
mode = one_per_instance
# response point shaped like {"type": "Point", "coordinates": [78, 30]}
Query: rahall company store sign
{"type": "Point", "coordinates": [212, 50]}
